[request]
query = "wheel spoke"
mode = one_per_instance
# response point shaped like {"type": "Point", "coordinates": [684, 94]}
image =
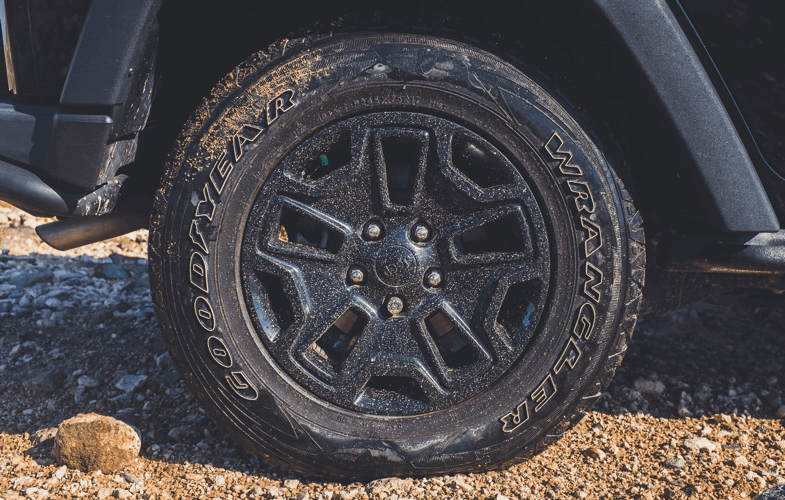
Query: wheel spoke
{"type": "Point", "coordinates": [278, 292]}
{"type": "Point", "coordinates": [389, 349]}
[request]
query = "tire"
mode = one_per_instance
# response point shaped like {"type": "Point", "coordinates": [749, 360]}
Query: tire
{"type": "Point", "coordinates": [477, 321]}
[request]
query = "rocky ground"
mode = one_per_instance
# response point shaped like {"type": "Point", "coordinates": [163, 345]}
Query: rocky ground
{"type": "Point", "coordinates": [695, 411]}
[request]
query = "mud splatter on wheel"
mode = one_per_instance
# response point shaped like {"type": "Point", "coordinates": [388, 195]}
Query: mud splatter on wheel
{"type": "Point", "coordinates": [383, 254]}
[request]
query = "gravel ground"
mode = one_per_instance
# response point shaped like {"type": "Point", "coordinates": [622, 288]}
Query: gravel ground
{"type": "Point", "coordinates": [695, 411]}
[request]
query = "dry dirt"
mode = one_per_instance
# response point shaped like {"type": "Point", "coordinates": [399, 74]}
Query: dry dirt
{"type": "Point", "coordinates": [76, 327]}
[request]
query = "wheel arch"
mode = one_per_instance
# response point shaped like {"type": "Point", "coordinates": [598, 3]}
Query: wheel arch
{"type": "Point", "coordinates": [630, 69]}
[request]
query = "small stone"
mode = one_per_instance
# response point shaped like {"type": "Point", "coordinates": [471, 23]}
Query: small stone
{"type": "Point", "coordinates": [291, 484]}
{"type": "Point", "coordinates": [53, 303]}
{"type": "Point", "coordinates": [43, 384]}
{"type": "Point", "coordinates": [388, 484]}
{"type": "Point", "coordinates": [194, 477]}
{"type": "Point", "coordinates": [781, 412]}
{"type": "Point", "coordinates": [499, 496]}
{"type": "Point", "coordinates": [21, 481]}
{"type": "Point", "coordinates": [183, 433]}
{"type": "Point", "coordinates": [676, 462]}
{"type": "Point", "coordinates": [460, 483]}
{"type": "Point", "coordinates": [303, 495]}
{"type": "Point", "coordinates": [79, 393]}
{"type": "Point", "coordinates": [130, 478]}
{"type": "Point", "coordinates": [44, 437]}
{"type": "Point", "coordinates": [94, 442]}
{"type": "Point", "coordinates": [86, 381]}
{"type": "Point", "coordinates": [111, 271]}
{"type": "Point", "coordinates": [613, 449]}
{"type": "Point", "coordinates": [594, 453]}
{"type": "Point", "coordinates": [775, 493]}
{"type": "Point", "coordinates": [257, 491]}
{"type": "Point", "coordinates": [131, 383]}
{"type": "Point", "coordinates": [218, 480]}
{"type": "Point", "coordinates": [164, 361]}
{"type": "Point", "coordinates": [60, 473]}
{"type": "Point", "coordinates": [696, 444]}
{"type": "Point", "coordinates": [683, 411]}
{"type": "Point", "coordinates": [36, 493]}
{"type": "Point", "coordinates": [780, 444]}
{"type": "Point", "coordinates": [104, 493]}
{"type": "Point", "coordinates": [122, 494]}
{"type": "Point", "coordinates": [649, 386]}
{"type": "Point", "coordinates": [26, 279]}
{"type": "Point", "coordinates": [349, 494]}
{"type": "Point", "coordinates": [740, 461]}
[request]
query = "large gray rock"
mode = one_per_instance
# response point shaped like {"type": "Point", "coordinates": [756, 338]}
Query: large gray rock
{"type": "Point", "coordinates": [775, 493]}
{"type": "Point", "coordinates": [94, 442]}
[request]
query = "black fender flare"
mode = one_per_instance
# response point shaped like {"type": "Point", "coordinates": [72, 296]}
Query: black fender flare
{"type": "Point", "coordinates": [693, 110]}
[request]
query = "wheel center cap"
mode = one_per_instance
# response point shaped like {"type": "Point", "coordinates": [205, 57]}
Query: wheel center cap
{"type": "Point", "coordinates": [395, 265]}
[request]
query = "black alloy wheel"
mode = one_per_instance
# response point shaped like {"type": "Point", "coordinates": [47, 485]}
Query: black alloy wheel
{"type": "Point", "coordinates": [376, 254]}
{"type": "Point", "coordinates": [405, 334]}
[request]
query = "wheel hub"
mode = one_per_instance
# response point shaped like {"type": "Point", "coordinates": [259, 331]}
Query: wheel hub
{"type": "Point", "coordinates": [396, 266]}
{"type": "Point", "coordinates": [395, 263]}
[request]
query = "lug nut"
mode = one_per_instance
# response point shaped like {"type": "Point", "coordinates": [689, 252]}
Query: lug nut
{"type": "Point", "coordinates": [394, 305]}
{"type": "Point", "coordinates": [356, 275]}
{"type": "Point", "coordinates": [373, 230]}
{"type": "Point", "coordinates": [434, 277]}
{"type": "Point", "coordinates": [421, 232]}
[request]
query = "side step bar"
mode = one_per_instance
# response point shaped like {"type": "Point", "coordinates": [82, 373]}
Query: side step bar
{"type": "Point", "coordinates": [27, 191]}
{"type": "Point", "coordinates": [759, 253]}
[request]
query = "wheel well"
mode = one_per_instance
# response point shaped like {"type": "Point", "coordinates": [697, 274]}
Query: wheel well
{"type": "Point", "coordinates": [568, 46]}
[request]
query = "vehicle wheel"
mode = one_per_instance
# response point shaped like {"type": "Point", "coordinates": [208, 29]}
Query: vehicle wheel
{"type": "Point", "coordinates": [380, 254]}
